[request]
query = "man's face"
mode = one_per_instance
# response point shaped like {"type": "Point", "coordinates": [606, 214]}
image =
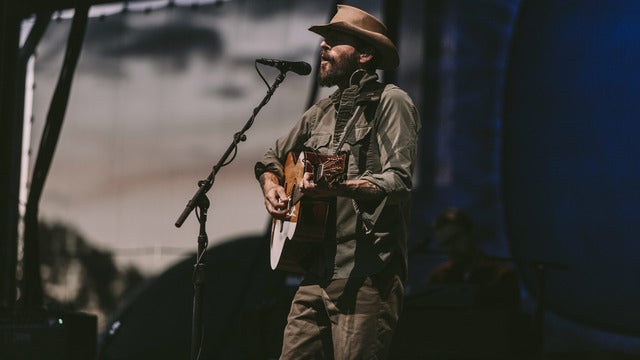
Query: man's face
{"type": "Point", "coordinates": [339, 59]}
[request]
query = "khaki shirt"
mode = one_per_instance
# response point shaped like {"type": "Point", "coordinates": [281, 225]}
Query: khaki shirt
{"type": "Point", "coordinates": [367, 235]}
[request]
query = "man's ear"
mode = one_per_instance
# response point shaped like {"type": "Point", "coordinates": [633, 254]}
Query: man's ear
{"type": "Point", "coordinates": [364, 57]}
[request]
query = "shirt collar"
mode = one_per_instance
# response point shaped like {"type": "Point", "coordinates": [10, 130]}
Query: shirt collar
{"type": "Point", "coordinates": [358, 80]}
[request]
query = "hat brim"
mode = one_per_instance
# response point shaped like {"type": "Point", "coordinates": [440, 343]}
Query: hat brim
{"type": "Point", "coordinates": [387, 52]}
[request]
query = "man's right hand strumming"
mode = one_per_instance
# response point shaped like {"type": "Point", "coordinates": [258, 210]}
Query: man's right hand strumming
{"type": "Point", "coordinates": [276, 200]}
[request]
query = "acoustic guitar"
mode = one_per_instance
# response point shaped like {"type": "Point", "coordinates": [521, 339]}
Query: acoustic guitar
{"type": "Point", "coordinates": [307, 218]}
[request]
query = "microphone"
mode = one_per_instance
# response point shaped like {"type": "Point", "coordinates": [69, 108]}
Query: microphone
{"type": "Point", "coordinates": [298, 67]}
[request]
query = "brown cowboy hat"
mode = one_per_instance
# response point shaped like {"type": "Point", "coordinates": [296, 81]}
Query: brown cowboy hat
{"type": "Point", "coordinates": [353, 21]}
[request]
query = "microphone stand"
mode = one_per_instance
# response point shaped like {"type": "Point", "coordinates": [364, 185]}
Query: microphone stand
{"type": "Point", "coordinates": [201, 201]}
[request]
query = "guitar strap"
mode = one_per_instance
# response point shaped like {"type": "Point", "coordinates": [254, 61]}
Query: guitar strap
{"type": "Point", "coordinates": [350, 126]}
{"type": "Point", "coordinates": [366, 100]}
{"type": "Point", "coordinates": [371, 99]}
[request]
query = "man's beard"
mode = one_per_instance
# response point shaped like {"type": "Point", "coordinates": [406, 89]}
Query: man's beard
{"type": "Point", "coordinates": [340, 71]}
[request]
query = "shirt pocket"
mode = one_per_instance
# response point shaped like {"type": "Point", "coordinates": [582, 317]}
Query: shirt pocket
{"type": "Point", "coordinates": [358, 145]}
{"type": "Point", "coordinates": [318, 142]}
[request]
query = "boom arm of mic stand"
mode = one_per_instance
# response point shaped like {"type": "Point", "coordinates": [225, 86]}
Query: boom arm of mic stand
{"type": "Point", "coordinates": [205, 185]}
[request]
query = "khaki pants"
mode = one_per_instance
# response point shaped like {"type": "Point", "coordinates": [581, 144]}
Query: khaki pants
{"type": "Point", "coordinates": [346, 319]}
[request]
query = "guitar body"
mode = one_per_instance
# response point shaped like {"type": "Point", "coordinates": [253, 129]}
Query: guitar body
{"type": "Point", "coordinates": [292, 239]}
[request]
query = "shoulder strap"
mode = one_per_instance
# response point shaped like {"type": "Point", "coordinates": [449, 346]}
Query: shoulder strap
{"type": "Point", "coordinates": [367, 100]}
{"type": "Point", "coordinates": [350, 126]}
{"type": "Point", "coordinates": [376, 95]}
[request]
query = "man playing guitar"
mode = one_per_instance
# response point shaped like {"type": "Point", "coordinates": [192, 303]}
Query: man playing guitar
{"type": "Point", "coordinates": [349, 302]}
